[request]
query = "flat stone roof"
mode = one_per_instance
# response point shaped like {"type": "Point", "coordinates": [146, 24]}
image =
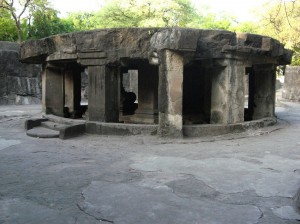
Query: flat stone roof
{"type": "Point", "coordinates": [105, 46]}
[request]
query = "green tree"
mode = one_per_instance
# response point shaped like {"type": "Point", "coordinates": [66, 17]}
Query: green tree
{"type": "Point", "coordinates": [45, 22]}
{"type": "Point", "coordinates": [83, 21]}
{"type": "Point", "coordinates": [211, 21]}
{"type": "Point", "coordinates": [149, 13]}
{"type": "Point", "coordinates": [146, 13]}
{"type": "Point", "coordinates": [32, 19]}
{"type": "Point", "coordinates": [281, 21]}
{"type": "Point", "coordinates": [8, 30]}
{"type": "Point", "coordinates": [245, 27]}
{"type": "Point", "coordinates": [12, 7]}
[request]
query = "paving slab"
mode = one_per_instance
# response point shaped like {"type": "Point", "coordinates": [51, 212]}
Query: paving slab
{"type": "Point", "coordinates": [42, 132]}
{"type": "Point", "coordinates": [248, 178]}
{"type": "Point", "coordinates": [131, 203]}
{"type": "Point", "coordinates": [231, 175]}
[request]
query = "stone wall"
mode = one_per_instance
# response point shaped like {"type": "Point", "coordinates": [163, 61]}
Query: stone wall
{"type": "Point", "coordinates": [291, 87]}
{"type": "Point", "coordinates": [19, 83]}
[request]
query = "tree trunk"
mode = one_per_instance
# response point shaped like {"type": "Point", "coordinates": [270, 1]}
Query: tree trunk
{"type": "Point", "coordinates": [19, 32]}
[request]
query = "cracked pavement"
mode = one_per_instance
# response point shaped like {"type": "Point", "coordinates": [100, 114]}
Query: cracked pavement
{"type": "Point", "coordinates": [252, 177]}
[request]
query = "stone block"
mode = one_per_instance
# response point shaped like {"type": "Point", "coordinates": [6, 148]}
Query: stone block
{"type": "Point", "coordinates": [72, 131]}
{"type": "Point", "coordinates": [90, 55]}
{"type": "Point", "coordinates": [96, 62]}
{"type": "Point", "coordinates": [19, 83]}
{"type": "Point", "coordinates": [291, 87]}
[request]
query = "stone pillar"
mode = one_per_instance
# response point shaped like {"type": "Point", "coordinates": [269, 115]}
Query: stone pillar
{"type": "Point", "coordinates": [207, 92]}
{"type": "Point", "coordinates": [72, 88]}
{"type": "Point", "coordinates": [104, 93]}
{"type": "Point", "coordinates": [170, 94]}
{"type": "Point", "coordinates": [291, 87]}
{"type": "Point", "coordinates": [264, 91]}
{"type": "Point", "coordinates": [147, 94]}
{"type": "Point", "coordinates": [227, 97]}
{"type": "Point", "coordinates": [53, 90]}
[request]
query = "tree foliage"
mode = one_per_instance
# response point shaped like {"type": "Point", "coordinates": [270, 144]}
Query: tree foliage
{"type": "Point", "coordinates": [40, 20]}
{"type": "Point", "coordinates": [45, 22]}
{"type": "Point", "coordinates": [281, 21]}
{"type": "Point", "coordinates": [137, 13]}
{"type": "Point", "coordinates": [83, 21]}
{"type": "Point", "coordinates": [8, 30]}
{"type": "Point", "coordinates": [245, 27]}
{"type": "Point", "coordinates": [16, 10]}
{"type": "Point", "coordinates": [151, 13]}
{"type": "Point", "coordinates": [30, 19]}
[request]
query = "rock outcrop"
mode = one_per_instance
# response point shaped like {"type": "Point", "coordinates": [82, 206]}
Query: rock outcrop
{"type": "Point", "coordinates": [19, 83]}
{"type": "Point", "coordinates": [291, 87]}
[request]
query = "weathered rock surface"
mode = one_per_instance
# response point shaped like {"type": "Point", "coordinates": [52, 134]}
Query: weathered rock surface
{"type": "Point", "coordinates": [19, 83]}
{"type": "Point", "coordinates": [109, 45]}
{"type": "Point", "coordinates": [161, 206]}
{"type": "Point", "coordinates": [170, 62]}
{"type": "Point", "coordinates": [146, 180]}
{"type": "Point", "coordinates": [291, 87]}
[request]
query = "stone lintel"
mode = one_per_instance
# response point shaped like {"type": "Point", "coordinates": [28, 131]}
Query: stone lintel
{"type": "Point", "coordinates": [247, 59]}
{"type": "Point", "coordinates": [138, 42]}
{"type": "Point", "coordinates": [60, 56]}
{"type": "Point", "coordinates": [92, 55]}
{"type": "Point", "coordinates": [92, 62]}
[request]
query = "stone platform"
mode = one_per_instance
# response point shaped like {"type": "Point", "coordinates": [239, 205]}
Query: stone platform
{"type": "Point", "coordinates": [200, 75]}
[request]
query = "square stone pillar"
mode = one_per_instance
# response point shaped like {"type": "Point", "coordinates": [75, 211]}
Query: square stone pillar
{"type": "Point", "coordinates": [73, 88]}
{"type": "Point", "coordinates": [104, 93]}
{"type": "Point", "coordinates": [147, 111]}
{"type": "Point", "coordinates": [207, 92]}
{"type": "Point", "coordinates": [264, 91]}
{"type": "Point", "coordinates": [53, 90]}
{"type": "Point", "coordinates": [227, 97]}
{"type": "Point", "coordinates": [170, 94]}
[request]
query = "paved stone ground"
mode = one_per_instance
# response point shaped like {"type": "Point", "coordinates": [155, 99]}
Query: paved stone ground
{"type": "Point", "coordinates": [234, 179]}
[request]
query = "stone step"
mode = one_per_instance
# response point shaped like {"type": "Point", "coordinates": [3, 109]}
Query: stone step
{"type": "Point", "coordinates": [42, 132]}
{"type": "Point", "coordinates": [53, 125]}
{"type": "Point", "coordinates": [64, 130]}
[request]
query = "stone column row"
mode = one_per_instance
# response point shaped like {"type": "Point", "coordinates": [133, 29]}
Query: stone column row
{"type": "Point", "coordinates": [61, 89]}
{"type": "Point", "coordinates": [227, 92]}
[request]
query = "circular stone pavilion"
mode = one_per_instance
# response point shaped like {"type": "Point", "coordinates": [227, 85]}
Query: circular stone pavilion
{"type": "Point", "coordinates": [190, 82]}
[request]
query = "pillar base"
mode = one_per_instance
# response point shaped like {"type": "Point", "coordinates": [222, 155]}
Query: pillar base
{"type": "Point", "coordinates": [170, 126]}
{"type": "Point", "coordinates": [141, 119]}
